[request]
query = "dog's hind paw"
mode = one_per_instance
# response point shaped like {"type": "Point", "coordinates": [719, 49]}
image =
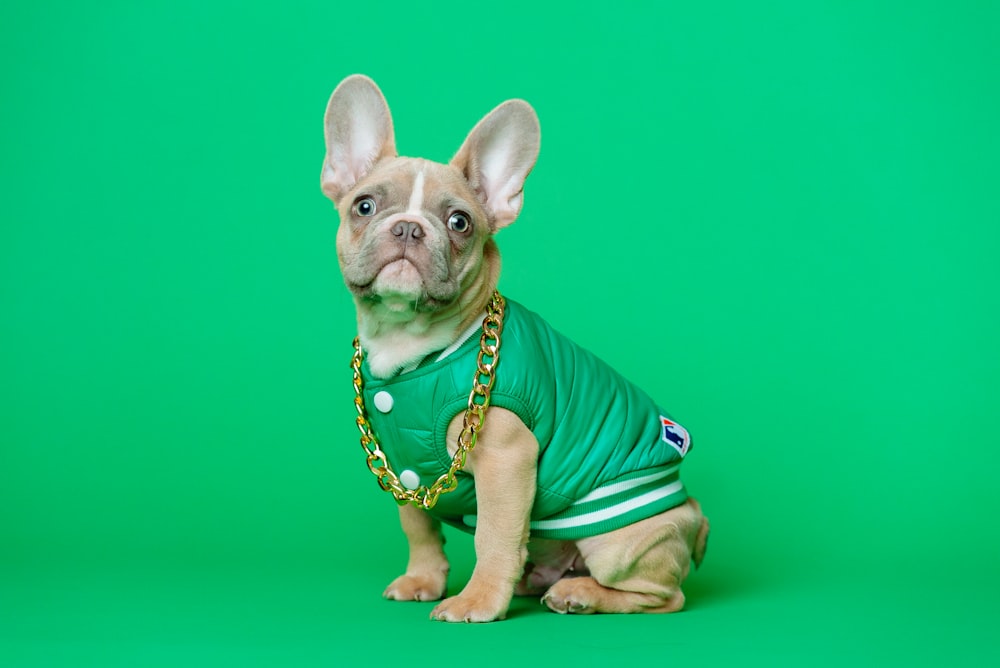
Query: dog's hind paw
{"type": "Point", "coordinates": [563, 599]}
{"type": "Point", "coordinates": [585, 596]}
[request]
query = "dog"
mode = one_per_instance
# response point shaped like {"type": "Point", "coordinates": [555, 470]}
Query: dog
{"type": "Point", "coordinates": [476, 413]}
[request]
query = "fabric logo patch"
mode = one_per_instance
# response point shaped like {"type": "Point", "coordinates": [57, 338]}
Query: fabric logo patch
{"type": "Point", "coordinates": [676, 435]}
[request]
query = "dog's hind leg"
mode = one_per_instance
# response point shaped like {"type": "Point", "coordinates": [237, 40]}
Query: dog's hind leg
{"type": "Point", "coordinates": [548, 562]}
{"type": "Point", "coordinates": [639, 568]}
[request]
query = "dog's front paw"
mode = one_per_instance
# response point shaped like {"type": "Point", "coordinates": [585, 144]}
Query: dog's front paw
{"type": "Point", "coordinates": [473, 606]}
{"type": "Point", "coordinates": [424, 587]}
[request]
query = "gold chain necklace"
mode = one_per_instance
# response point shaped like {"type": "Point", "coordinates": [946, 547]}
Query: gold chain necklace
{"type": "Point", "coordinates": [475, 416]}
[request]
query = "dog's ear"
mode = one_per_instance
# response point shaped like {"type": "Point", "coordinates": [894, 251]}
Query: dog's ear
{"type": "Point", "coordinates": [498, 155]}
{"type": "Point", "coordinates": [358, 134]}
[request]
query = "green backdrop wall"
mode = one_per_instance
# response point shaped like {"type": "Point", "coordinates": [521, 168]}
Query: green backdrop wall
{"type": "Point", "coordinates": [781, 220]}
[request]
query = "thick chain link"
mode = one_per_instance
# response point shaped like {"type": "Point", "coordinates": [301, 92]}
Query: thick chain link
{"type": "Point", "coordinates": [475, 417]}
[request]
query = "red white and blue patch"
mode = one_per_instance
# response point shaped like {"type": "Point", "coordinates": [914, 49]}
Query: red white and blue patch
{"type": "Point", "coordinates": [676, 436]}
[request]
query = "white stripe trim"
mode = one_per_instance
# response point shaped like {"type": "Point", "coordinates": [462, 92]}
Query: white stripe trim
{"type": "Point", "coordinates": [613, 511]}
{"type": "Point", "coordinates": [411, 366]}
{"type": "Point", "coordinates": [463, 337]}
{"type": "Point", "coordinates": [625, 485]}
{"type": "Point", "coordinates": [598, 515]}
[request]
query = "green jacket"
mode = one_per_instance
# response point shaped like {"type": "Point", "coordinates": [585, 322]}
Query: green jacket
{"type": "Point", "coordinates": [609, 456]}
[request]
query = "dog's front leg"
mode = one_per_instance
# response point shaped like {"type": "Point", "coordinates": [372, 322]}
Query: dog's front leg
{"type": "Point", "coordinates": [427, 571]}
{"type": "Point", "coordinates": [504, 466]}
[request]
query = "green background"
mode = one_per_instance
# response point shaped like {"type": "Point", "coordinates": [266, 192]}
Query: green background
{"type": "Point", "coordinates": [781, 220]}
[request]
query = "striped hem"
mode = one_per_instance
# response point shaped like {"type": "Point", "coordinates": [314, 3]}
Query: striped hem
{"type": "Point", "coordinates": [612, 506]}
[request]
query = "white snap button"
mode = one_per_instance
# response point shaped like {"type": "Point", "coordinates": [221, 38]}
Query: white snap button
{"type": "Point", "coordinates": [383, 401]}
{"type": "Point", "coordinates": [409, 479]}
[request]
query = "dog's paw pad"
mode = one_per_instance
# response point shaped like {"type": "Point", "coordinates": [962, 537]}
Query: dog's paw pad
{"type": "Point", "coordinates": [565, 605]}
{"type": "Point", "coordinates": [570, 596]}
{"type": "Point", "coordinates": [415, 588]}
{"type": "Point", "coordinates": [467, 609]}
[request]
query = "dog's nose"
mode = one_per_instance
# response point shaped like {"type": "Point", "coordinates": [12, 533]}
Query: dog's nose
{"type": "Point", "coordinates": [407, 229]}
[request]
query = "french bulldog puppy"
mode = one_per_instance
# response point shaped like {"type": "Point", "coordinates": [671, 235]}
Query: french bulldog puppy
{"type": "Point", "coordinates": [572, 488]}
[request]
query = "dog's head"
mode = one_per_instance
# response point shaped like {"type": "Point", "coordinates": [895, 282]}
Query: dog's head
{"type": "Point", "coordinates": [415, 235]}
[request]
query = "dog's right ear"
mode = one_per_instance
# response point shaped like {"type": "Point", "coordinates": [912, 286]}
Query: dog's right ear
{"type": "Point", "coordinates": [358, 134]}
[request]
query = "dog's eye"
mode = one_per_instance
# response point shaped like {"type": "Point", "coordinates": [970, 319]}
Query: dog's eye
{"type": "Point", "coordinates": [365, 207]}
{"type": "Point", "coordinates": [459, 222]}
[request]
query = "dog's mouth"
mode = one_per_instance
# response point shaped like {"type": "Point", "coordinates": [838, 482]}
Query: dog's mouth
{"type": "Point", "coordinates": [399, 275]}
{"type": "Point", "coordinates": [401, 284]}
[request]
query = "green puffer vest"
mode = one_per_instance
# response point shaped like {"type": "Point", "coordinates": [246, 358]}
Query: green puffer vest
{"type": "Point", "coordinates": [609, 456]}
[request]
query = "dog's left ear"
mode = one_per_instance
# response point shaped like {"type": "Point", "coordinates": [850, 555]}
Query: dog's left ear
{"type": "Point", "coordinates": [498, 155]}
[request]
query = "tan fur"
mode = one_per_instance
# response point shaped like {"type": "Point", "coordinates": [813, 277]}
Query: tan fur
{"type": "Point", "coordinates": [417, 286]}
{"type": "Point", "coordinates": [505, 491]}
{"type": "Point", "coordinates": [639, 568]}
{"type": "Point", "coordinates": [427, 571]}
